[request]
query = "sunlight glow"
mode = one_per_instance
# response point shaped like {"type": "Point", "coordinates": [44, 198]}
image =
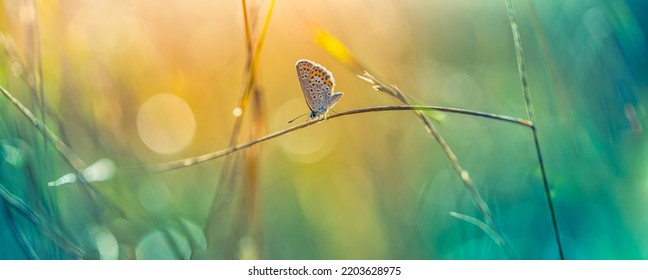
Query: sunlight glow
{"type": "Point", "coordinates": [166, 123]}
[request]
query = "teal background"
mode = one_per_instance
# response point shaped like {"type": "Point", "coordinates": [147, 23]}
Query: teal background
{"type": "Point", "coordinates": [370, 186]}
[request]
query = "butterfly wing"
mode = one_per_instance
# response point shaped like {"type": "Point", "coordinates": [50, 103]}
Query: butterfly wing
{"type": "Point", "coordinates": [334, 99]}
{"type": "Point", "coordinates": [304, 67]}
{"type": "Point", "coordinates": [323, 84]}
{"type": "Point", "coordinates": [317, 85]}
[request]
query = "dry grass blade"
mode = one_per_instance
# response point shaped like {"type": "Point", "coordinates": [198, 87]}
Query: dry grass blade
{"type": "Point", "coordinates": [225, 191]}
{"type": "Point", "coordinates": [334, 47]}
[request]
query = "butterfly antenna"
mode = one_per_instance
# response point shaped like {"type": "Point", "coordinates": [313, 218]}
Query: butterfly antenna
{"type": "Point", "coordinates": [297, 118]}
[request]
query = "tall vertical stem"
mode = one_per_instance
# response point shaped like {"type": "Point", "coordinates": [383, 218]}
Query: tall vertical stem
{"type": "Point", "coordinates": [530, 114]}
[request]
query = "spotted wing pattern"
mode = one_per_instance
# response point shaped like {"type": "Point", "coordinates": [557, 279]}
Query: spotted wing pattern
{"type": "Point", "coordinates": [317, 84]}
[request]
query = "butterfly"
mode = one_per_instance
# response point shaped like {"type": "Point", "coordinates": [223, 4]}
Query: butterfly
{"type": "Point", "coordinates": [317, 85]}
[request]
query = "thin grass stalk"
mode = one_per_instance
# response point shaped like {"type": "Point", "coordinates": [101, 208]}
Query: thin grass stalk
{"type": "Point", "coordinates": [478, 223]}
{"type": "Point", "coordinates": [187, 162]}
{"type": "Point", "coordinates": [224, 191]}
{"type": "Point", "coordinates": [251, 184]}
{"type": "Point", "coordinates": [251, 65]}
{"type": "Point", "coordinates": [342, 54]}
{"type": "Point", "coordinates": [173, 244]}
{"type": "Point", "coordinates": [248, 37]}
{"type": "Point", "coordinates": [247, 223]}
{"type": "Point", "coordinates": [529, 108]}
{"type": "Point", "coordinates": [39, 68]}
{"type": "Point", "coordinates": [221, 198]}
{"type": "Point", "coordinates": [52, 232]}
{"type": "Point", "coordinates": [33, 191]}
{"type": "Point", "coordinates": [73, 161]}
{"type": "Point", "coordinates": [43, 198]}
{"type": "Point", "coordinates": [69, 156]}
{"type": "Point", "coordinates": [22, 239]}
{"type": "Point", "coordinates": [463, 174]}
{"type": "Point", "coordinates": [225, 185]}
{"type": "Point", "coordinates": [36, 85]}
{"type": "Point", "coordinates": [229, 164]}
{"type": "Point", "coordinates": [481, 204]}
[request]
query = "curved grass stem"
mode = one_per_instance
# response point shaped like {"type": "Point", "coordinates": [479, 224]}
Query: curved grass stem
{"type": "Point", "coordinates": [210, 156]}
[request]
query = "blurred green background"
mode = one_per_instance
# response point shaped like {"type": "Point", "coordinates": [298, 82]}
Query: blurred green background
{"type": "Point", "coordinates": [136, 83]}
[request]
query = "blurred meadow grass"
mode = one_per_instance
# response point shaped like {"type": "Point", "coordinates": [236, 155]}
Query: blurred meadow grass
{"type": "Point", "coordinates": [130, 84]}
